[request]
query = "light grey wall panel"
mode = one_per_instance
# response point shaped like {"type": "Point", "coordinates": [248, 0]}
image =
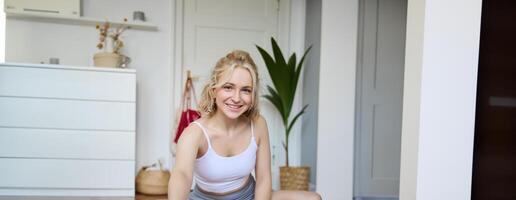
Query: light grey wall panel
{"type": "Point", "coordinates": [310, 87]}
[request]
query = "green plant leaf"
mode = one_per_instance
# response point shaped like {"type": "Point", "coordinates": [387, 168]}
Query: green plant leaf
{"type": "Point", "coordinates": [278, 56]}
{"type": "Point", "coordinates": [275, 99]}
{"type": "Point", "coordinates": [300, 65]}
{"type": "Point", "coordinates": [270, 64]}
{"type": "Point", "coordinates": [283, 88]}
{"type": "Point", "coordinates": [291, 71]}
{"type": "Point", "coordinates": [291, 65]}
{"type": "Point", "coordinates": [295, 119]}
{"type": "Point", "coordinates": [278, 75]}
{"type": "Point", "coordinates": [295, 78]}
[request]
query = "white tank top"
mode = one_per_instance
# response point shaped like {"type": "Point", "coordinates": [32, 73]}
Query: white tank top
{"type": "Point", "coordinates": [220, 174]}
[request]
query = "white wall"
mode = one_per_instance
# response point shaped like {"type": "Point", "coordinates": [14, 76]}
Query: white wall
{"type": "Point", "coordinates": [33, 42]}
{"type": "Point", "coordinates": [411, 99]}
{"type": "Point", "coordinates": [296, 35]}
{"type": "Point", "coordinates": [439, 102]}
{"type": "Point", "coordinates": [2, 33]}
{"type": "Point", "coordinates": [339, 23]}
{"type": "Point", "coordinates": [310, 87]}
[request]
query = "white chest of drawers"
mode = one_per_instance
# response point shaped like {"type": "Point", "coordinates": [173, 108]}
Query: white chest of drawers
{"type": "Point", "coordinates": [67, 130]}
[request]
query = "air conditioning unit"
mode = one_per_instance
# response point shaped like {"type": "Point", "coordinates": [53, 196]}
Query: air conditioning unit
{"type": "Point", "coordinates": [51, 8]}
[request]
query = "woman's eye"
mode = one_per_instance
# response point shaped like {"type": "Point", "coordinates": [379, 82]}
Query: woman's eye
{"type": "Point", "coordinates": [227, 87]}
{"type": "Point", "coordinates": [247, 91]}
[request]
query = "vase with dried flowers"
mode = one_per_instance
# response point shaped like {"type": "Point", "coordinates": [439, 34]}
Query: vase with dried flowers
{"type": "Point", "coordinates": [110, 42]}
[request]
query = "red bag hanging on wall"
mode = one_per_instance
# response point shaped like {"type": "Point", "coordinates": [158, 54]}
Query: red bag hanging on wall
{"type": "Point", "coordinates": [188, 115]}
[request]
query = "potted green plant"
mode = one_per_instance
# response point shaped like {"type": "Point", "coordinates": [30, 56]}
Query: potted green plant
{"type": "Point", "coordinates": [285, 76]}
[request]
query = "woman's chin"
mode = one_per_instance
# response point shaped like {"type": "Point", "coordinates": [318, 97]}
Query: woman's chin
{"type": "Point", "coordinates": [233, 114]}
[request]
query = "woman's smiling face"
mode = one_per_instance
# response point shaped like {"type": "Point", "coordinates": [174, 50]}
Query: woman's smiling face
{"type": "Point", "coordinates": [235, 96]}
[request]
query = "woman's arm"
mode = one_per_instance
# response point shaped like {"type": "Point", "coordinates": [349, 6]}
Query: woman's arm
{"type": "Point", "coordinates": [263, 190]}
{"type": "Point", "coordinates": [181, 175]}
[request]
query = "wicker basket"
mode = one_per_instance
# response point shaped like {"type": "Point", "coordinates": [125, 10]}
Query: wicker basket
{"type": "Point", "coordinates": [152, 182]}
{"type": "Point", "coordinates": [104, 59]}
{"type": "Point", "coordinates": [294, 178]}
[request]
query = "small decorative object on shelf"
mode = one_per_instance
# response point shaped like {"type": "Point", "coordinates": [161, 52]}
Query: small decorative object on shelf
{"type": "Point", "coordinates": [139, 16]}
{"type": "Point", "coordinates": [111, 43]}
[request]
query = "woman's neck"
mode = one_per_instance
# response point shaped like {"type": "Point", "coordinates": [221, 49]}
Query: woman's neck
{"type": "Point", "coordinates": [224, 123]}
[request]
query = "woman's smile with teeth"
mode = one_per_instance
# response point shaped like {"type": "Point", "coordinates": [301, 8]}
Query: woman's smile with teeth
{"type": "Point", "coordinates": [232, 106]}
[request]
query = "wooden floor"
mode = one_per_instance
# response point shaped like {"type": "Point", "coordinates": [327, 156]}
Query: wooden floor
{"type": "Point", "coordinates": [138, 197]}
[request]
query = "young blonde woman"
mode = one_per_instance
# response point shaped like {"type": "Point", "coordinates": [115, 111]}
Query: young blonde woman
{"type": "Point", "coordinates": [229, 141]}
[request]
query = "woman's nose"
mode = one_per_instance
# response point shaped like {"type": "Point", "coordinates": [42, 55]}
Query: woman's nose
{"type": "Point", "coordinates": [236, 97]}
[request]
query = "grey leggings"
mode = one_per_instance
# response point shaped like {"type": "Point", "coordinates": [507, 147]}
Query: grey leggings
{"type": "Point", "coordinates": [246, 193]}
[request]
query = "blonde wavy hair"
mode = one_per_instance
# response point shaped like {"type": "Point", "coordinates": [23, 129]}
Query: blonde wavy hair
{"type": "Point", "coordinates": [221, 73]}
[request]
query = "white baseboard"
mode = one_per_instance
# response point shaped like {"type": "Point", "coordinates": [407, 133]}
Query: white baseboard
{"type": "Point", "coordinates": [375, 198]}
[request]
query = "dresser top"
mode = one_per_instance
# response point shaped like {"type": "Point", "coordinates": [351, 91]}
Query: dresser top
{"type": "Point", "coordinates": [68, 67]}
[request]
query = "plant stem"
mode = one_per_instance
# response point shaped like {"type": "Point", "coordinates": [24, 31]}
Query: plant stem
{"type": "Point", "coordinates": [286, 144]}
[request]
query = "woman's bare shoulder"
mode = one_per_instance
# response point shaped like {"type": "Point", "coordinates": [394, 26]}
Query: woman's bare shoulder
{"type": "Point", "coordinates": [259, 121]}
{"type": "Point", "coordinates": [260, 127]}
{"type": "Point", "coordinates": [192, 134]}
{"type": "Point", "coordinates": [187, 148]}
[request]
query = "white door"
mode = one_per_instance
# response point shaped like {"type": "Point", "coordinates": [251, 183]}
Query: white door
{"type": "Point", "coordinates": [379, 97]}
{"type": "Point", "coordinates": [211, 29]}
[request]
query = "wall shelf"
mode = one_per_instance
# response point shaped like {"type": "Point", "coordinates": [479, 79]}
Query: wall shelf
{"type": "Point", "coordinates": [80, 21]}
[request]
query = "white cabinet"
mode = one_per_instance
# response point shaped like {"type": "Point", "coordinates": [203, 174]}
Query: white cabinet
{"type": "Point", "coordinates": [67, 130]}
